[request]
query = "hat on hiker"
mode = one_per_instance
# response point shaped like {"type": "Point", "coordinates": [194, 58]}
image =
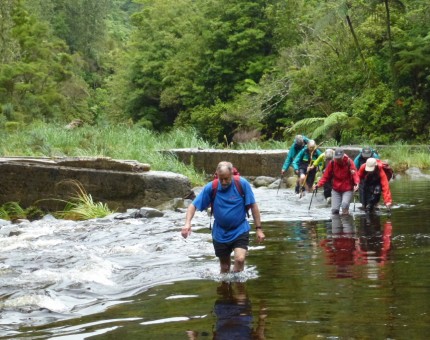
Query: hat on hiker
{"type": "Point", "coordinates": [370, 164]}
{"type": "Point", "coordinates": [299, 140]}
{"type": "Point", "coordinates": [366, 152]}
{"type": "Point", "coordinates": [329, 154]}
{"type": "Point", "coordinates": [338, 153]}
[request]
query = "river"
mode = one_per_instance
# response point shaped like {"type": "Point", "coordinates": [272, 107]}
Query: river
{"type": "Point", "coordinates": [139, 279]}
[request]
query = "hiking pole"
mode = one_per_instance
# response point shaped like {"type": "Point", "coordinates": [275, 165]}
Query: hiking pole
{"type": "Point", "coordinates": [354, 201]}
{"type": "Point", "coordinates": [313, 193]}
{"type": "Point", "coordinates": [280, 182]}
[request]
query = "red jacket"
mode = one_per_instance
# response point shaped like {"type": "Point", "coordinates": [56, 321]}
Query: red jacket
{"type": "Point", "coordinates": [386, 193]}
{"type": "Point", "coordinates": [343, 176]}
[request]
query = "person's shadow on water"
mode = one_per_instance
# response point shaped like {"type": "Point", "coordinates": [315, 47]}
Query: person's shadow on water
{"type": "Point", "coordinates": [233, 312]}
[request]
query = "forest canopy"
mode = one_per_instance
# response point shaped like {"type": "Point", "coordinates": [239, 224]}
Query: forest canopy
{"type": "Point", "coordinates": [231, 70]}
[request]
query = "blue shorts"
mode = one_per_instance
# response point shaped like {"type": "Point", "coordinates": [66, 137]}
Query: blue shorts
{"type": "Point", "coordinates": [225, 249]}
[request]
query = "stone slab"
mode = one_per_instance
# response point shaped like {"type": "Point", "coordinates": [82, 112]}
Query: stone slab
{"type": "Point", "coordinates": [43, 183]}
{"type": "Point", "coordinates": [248, 162]}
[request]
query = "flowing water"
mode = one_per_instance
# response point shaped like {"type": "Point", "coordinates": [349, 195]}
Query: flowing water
{"type": "Point", "coordinates": [362, 277]}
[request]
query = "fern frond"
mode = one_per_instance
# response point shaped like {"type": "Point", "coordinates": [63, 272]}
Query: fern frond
{"type": "Point", "coordinates": [321, 130]}
{"type": "Point", "coordinates": [306, 124]}
{"type": "Point", "coordinates": [335, 118]}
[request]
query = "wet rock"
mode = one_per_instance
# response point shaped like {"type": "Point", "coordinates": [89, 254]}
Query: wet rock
{"type": "Point", "coordinates": [130, 213]}
{"type": "Point", "coordinates": [10, 230]}
{"type": "Point", "coordinates": [263, 181]}
{"type": "Point", "coordinates": [275, 184]}
{"type": "Point", "coordinates": [144, 212]}
{"type": "Point", "coordinates": [48, 217]}
{"type": "Point", "coordinates": [150, 212]}
{"type": "Point", "coordinates": [20, 220]}
{"type": "Point", "coordinates": [416, 173]}
{"type": "Point", "coordinates": [14, 233]}
{"type": "Point", "coordinates": [176, 204]}
{"type": "Point", "coordinates": [291, 181]}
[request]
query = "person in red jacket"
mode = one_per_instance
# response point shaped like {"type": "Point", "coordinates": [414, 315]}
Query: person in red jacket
{"type": "Point", "coordinates": [343, 174]}
{"type": "Point", "coordinates": [374, 182]}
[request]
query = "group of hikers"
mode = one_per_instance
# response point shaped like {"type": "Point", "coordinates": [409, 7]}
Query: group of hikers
{"type": "Point", "coordinates": [341, 176]}
{"type": "Point", "coordinates": [230, 196]}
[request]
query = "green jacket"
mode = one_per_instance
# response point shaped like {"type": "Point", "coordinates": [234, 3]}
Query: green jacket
{"type": "Point", "coordinates": [320, 161]}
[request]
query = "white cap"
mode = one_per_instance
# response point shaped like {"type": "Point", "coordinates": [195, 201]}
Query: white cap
{"type": "Point", "coordinates": [370, 164]}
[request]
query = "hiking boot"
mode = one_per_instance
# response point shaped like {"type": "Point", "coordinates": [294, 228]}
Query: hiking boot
{"type": "Point", "coordinates": [297, 190]}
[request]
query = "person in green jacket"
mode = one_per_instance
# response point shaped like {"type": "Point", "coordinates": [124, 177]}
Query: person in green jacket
{"type": "Point", "coordinates": [302, 165]}
{"type": "Point", "coordinates": [299, 143]}
{"type": "Point", "coordinates": [322, 162]}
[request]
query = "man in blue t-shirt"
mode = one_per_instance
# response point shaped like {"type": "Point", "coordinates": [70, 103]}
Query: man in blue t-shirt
{"type": "Point", "coordinates": [231, 227]}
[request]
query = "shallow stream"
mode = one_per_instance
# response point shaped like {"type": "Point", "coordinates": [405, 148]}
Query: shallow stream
{"type": "Point", "coordinates": [313, 277]}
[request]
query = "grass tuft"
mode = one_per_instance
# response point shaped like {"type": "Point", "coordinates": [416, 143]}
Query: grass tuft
{"type": "Point", "coordinates": [82, 206]}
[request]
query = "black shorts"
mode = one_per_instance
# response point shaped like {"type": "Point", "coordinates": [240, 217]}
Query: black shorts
{"type": "Point", "coordinates": [303, 170]}
{"type": "Point", "coordinates": [225, 249]}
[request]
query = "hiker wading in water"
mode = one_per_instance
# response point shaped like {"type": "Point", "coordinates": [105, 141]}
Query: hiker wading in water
{"type": "Point", "coordinates": [303, 167]}
{"type": "Point", "coordinates": [374, 182]}
{"type": "Point", "coordinates": [299, 143]}
{"type": "Point", "coordinates": [231, 228]}
{"type": "Point", "coordinates": [344, 178]}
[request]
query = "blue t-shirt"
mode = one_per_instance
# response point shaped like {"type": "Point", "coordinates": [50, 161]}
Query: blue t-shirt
{"type": "Point", "coordinates": [228, 209]}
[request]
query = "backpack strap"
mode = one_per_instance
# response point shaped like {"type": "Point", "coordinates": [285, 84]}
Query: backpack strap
{"type": "Point", "coordinates": [237, 183]}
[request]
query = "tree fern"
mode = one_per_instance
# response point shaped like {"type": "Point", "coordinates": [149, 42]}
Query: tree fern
{"type": "Point", "coordinates": [331, 126]}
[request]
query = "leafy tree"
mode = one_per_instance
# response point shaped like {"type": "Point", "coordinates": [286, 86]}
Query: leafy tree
{"type": "Point", "coordinates": [36, 81]}
{"type": "Point", "coordinates": [186, 55]}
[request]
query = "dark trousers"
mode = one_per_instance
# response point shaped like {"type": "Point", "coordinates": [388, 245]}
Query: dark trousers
{"type": "Point", "coordinates": [371, 196]}
{"type": "Point", "coordinates": [327, 190]}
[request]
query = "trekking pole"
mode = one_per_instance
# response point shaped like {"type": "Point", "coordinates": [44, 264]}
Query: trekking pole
{"type": "Point", "coordinates": [280, 182]}
{"type": "Point", "coordinates": [354, 201]}
{"type": "Point", "coordinates": [313, 193]}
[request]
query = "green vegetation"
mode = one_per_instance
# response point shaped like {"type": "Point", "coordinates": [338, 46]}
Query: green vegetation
{"type": "Point", "coordinates": [13, 211]}
{"type": "Point", "coordinates": [355, 72]}
{"type": "Point", "coordinates": [81, 206]}
{"type": "Point", "coordinates": [117, 142]}
{"type": "Point", "coordinates": [145, 146]}
{"type": "Point", "coordinates": [403, 156]}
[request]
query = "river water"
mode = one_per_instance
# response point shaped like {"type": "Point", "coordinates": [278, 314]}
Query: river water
{"type": "Point", "coordinates": [360, 277]}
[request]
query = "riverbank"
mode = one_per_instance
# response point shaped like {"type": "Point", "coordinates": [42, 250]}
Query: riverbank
{"type": "Point", "coordinates": [144, 146]}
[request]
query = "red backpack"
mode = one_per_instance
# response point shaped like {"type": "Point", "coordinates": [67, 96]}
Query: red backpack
{"type": "Point", "coordinates": [389, 172]}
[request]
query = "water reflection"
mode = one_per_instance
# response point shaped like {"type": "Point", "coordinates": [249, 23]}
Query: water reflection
{"type": "Point", "coordinates": [340, 245]}
{"type": "Point", "coordinates": [369, 245]}
{"type": "Point", "coordinates": [233, 313]}
{"type": "Point", "coordinates": [375, 240]}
